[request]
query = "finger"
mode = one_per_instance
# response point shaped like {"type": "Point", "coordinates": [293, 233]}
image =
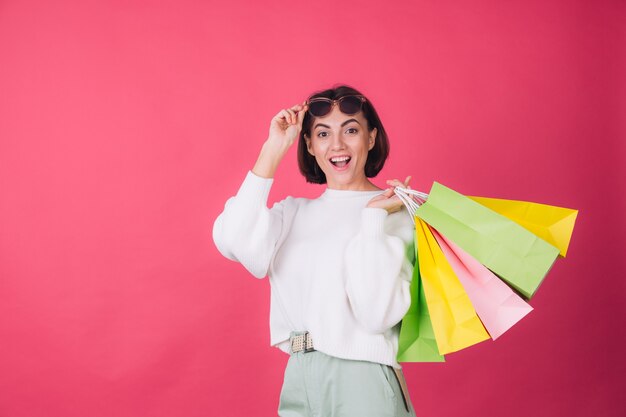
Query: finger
{"type": "Point", "coordinates": [296, 110]}
{"type": "Point", "coordinates": [385, 194]}
{"type": "Point", "coordinates": [301, 114]}
{"type": "Point", "coordinates": [282, 114]}
{"type": "Point", "coordinates": [395, 183]}
{"type": "Point", "coordinates": [406, 182]}
{"type": "Point", "coordinates": [292, 116]}
{"type": "Point", "coordinates": [403, 184]}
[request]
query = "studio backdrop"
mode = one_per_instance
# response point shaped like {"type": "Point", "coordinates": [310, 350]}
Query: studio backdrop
{"type": "Point", "coordinates": [126, 125]}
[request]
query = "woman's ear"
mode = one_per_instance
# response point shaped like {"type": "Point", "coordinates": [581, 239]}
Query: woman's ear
{"type": "Point", "coordinates": [307, 139]}
{"type": "Point", "coordinates": [372, 139]}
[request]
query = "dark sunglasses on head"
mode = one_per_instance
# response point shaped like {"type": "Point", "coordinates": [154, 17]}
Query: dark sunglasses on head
{"type": "Point", "coordinates": [321, 106]}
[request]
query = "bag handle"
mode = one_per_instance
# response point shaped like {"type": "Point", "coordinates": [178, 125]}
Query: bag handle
{"type": "Point", "coordinates": [412, 199]}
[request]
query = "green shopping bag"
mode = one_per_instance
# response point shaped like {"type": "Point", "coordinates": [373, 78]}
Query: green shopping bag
{"type": "Point", "coordinates": [416, 342]}
{"type": "Point", "coordinates": [516, 255]}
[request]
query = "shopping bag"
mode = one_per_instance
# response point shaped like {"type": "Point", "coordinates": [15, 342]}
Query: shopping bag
{"type": "Point", "coordinates": [416, 341]}
{"type": "Point", "coordinates": [455, 323]}
{"type": "Point", "coordinates": [497, 306]}
{"type": "Point", "coordinates": [515, 254]}
{"type": "Point", "coordinates": [551, 223]}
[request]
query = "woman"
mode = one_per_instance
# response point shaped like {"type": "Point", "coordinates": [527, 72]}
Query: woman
{"type": "Point", "coordinates": [337, 266]}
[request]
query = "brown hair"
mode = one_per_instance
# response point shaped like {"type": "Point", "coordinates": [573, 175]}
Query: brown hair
{"type": "Point", "coordinates": [376, 156]}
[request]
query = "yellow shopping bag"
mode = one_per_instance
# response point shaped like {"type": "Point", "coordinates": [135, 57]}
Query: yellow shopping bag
{"type": "Point", "coordinates": [551, 223]}
{"type": "Point", "coordinates": [455, 323]}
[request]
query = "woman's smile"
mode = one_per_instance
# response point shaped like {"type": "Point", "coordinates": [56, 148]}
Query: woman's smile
{"type": "Point", "coordinates": [340, 163]}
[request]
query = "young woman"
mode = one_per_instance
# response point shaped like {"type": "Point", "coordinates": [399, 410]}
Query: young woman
{"type": "Point", "coordinates": [337, 264]}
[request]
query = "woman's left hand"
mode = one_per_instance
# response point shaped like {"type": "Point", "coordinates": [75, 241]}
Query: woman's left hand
{"type": "Point", "coordinates": [389, 200]}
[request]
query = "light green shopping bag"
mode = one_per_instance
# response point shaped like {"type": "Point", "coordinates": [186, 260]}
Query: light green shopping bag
{"type": "Point", "coordinates": [516, 255]}
{"type": "Point", "coordinates": [416, 342]}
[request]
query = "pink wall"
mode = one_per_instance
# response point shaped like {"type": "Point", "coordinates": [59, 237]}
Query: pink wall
{"type": "Point", "coordinates": [125, 126]}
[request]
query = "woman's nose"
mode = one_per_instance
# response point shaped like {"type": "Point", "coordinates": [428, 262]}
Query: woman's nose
{"type": "Point", "coordinates": [337, 142]}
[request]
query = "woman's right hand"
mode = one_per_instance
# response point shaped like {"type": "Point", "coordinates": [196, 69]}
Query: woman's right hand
{"type": "Point", "coordinates": [285, 127]}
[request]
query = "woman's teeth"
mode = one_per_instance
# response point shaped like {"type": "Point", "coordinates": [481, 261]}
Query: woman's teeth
{"type": "Point", "coordinates": [341, 161]}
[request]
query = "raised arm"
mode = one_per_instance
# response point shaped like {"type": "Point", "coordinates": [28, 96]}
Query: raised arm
{"type": "Point", "coordinates": [247, 230]}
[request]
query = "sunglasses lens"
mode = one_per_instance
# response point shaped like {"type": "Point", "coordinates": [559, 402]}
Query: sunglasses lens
{"type": "Point", "coordinates": [319, 108]}
{"type": "Point", "coordinates": [350, 105]}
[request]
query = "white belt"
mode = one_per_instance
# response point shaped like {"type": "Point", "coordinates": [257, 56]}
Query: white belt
{"type": "Point", "coordinates": [302, 342]}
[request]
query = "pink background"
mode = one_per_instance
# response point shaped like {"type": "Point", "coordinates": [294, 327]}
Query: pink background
{"type": "Point", "coordinates": [125, 126]}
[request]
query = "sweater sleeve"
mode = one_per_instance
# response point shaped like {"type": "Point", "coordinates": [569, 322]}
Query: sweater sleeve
{"type": "Point", "coordinates": [378, 272]}
{"type": "Point", "coordinates": [247, 230]}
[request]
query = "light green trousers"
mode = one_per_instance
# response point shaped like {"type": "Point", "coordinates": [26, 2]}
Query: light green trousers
{"type": "Point", "coordinates": [320, 385]}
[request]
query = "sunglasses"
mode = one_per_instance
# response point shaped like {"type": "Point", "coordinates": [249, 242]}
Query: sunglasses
{"type": "Point", "coordinates": [321, 106]}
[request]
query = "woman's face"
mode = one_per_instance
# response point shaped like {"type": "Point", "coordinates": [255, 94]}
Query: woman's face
{"type": "Point", "coordinates": [338, 135]}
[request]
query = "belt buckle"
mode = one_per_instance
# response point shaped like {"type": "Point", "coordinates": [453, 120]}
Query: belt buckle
{"type": "Point", "coordinates": [293, 339]}
{"type": "Point", "coordinates": [307, 335]}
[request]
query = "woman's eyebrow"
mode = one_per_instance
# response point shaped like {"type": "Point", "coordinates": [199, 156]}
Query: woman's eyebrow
{"type": "Point", "coordinates": [342, 125]}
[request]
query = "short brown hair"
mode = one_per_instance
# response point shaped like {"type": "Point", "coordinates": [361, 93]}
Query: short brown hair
{"type": "Point", "coordinates": [375, 158]}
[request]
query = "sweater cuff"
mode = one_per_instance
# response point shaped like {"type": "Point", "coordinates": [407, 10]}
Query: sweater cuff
{"type": "Point", "coordinates": [373, 221]}
{"type": "Point", "coordinates": [255, 189]}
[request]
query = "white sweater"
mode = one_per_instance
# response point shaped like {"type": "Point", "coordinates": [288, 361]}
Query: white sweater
{"type": "Point", "coordinates": [336, 267]}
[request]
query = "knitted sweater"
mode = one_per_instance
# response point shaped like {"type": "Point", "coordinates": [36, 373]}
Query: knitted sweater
{"type": "Point", "coordinates": [336, 267]}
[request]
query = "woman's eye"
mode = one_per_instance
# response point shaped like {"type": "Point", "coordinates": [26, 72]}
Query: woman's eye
{"type": "Point", "coordinates": [319, 135]}
{"type": "Point", "coordinates": [352, 130]}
